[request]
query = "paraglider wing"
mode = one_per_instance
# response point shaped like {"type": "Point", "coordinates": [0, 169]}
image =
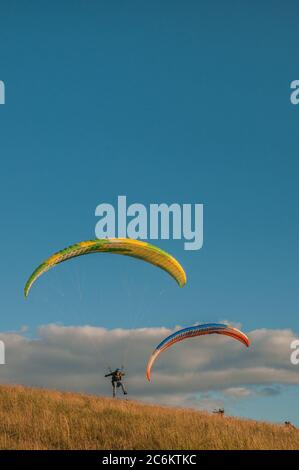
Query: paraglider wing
{"type": "Point", "coordinates": [121, 246]}
{"type": "Point", "coordinates": [190, 332]}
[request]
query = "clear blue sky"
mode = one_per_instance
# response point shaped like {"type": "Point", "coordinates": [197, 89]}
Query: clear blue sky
{"type": "Point", "coordinates": [164, 102]}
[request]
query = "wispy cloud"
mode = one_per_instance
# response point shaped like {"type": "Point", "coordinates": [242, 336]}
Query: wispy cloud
{"type": "Point", "coordinates": [237, 392]}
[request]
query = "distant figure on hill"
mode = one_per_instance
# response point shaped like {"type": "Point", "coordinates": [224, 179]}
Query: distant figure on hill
{"type": "Point", "coordinates": [116, 381]}
{"type": "Point", "coordinates": [219, 412]}
{"type": "Point", "coordinates": [289, 425]}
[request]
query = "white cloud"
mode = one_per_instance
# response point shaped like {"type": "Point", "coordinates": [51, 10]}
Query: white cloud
{"type": "Point", "coordinates": [237, 392]}
{"type": "Point", "coordinates": [76, 358]}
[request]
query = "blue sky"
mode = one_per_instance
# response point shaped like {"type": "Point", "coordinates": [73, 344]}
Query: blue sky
{"type": "Point", "coordinates": [163, 102]}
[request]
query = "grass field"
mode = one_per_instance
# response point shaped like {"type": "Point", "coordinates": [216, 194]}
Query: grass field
{"type": "Point", "coordinates": [43, 419]}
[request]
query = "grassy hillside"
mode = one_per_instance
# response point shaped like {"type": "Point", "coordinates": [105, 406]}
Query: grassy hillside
{"type": "Point", "coordinates": [42, 419]}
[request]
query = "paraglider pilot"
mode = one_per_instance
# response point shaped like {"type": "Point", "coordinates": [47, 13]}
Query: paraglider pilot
{"type": "Point", "coordinates": [116, 381]}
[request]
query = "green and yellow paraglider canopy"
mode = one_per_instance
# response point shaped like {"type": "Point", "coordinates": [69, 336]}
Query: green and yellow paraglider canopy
{"type": "Point", "coordinates": [121, 246]}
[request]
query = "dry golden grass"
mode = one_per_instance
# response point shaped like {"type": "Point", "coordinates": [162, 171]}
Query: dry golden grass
{"type": "Point", "coordinates": [43, 419]}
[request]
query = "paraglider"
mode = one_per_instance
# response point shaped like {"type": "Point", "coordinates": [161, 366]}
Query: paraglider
{"type": "Point", "coordinates": [190, 332]}
{"type": "Point", "coordinates": [121, 246]}
{"type": "Point", "coordinates": [116, 381]}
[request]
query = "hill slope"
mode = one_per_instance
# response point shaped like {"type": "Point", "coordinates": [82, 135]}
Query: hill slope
{"type": "Point", "coordinates": [42, 419]}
